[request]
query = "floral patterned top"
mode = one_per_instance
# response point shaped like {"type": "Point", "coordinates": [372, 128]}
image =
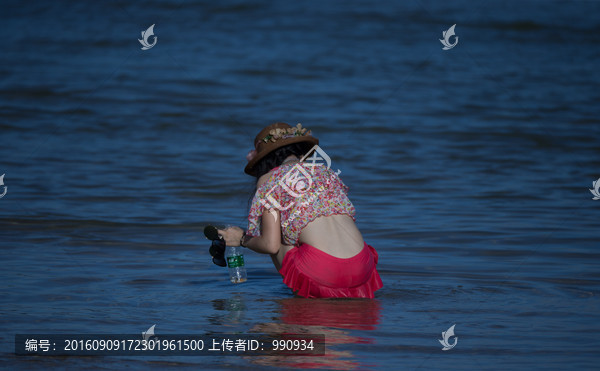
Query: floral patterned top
{"type": "Point", "coordinates": [301, 193]}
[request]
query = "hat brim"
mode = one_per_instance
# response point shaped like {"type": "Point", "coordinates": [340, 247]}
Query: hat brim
{"type": "Point", "coordinates": [250, 170]}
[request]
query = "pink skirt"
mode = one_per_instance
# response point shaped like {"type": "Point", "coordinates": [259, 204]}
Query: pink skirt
{"type": "Point", "coordinates": [312, 273]}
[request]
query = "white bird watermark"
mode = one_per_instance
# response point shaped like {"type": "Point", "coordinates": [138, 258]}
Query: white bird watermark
{"type": "Point", "coordinates": [2, 184]}
{"type": "Point", "coordinates": [446, 38]}
{"type": "Point", "coordinates": [146, 335]}
{"type": "Point", "coordinates": [446, 335]}
{"type": "Point", "coordinates": [145, 35]}
{"type": "Point", "coordinates": [596, 190]}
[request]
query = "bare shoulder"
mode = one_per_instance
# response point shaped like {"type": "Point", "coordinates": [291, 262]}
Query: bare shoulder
{"type": "Point", "coordinates": [263, 179]}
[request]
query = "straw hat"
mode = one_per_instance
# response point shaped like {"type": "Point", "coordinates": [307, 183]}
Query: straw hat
{"type": "Point", "coordinates": [275, 136]}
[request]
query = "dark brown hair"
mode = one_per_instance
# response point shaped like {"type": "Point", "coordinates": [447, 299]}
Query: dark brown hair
{"type": "Point", "coordinates": [276, 158]}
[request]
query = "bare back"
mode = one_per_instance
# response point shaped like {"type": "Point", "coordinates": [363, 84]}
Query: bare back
{"type": "Point", "coordinates": [336, 235]}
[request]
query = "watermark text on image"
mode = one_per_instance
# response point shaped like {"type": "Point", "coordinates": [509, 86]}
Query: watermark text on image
{"type": "Point", "coordinates": [297, 181]}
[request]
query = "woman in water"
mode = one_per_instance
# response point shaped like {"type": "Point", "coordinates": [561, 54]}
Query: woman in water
{"type": "Point", "coordinates": [302, 217]}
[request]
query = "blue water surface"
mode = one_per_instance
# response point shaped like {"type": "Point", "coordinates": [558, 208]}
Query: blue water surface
{"type": "Point", "coordinates": [470, 170]}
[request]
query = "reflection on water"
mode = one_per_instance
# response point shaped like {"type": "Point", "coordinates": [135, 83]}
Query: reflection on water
{"type": "Point", "coordinates": [361, 314]}
{"type": "Point", "coordinates": [335, 318]}
{"type": "Point", "coordinates": [234, 308]}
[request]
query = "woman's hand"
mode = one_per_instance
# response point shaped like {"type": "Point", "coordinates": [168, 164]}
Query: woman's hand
{"type": "Point", "coordinates": [232, 235]}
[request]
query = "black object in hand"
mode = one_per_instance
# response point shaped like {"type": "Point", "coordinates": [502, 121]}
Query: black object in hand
{"type": "Point", "coordinates": [217, 248]}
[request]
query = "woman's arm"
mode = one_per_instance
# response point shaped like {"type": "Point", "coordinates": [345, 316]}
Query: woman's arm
{"type": "Point", "coordinates": [269, 241]}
